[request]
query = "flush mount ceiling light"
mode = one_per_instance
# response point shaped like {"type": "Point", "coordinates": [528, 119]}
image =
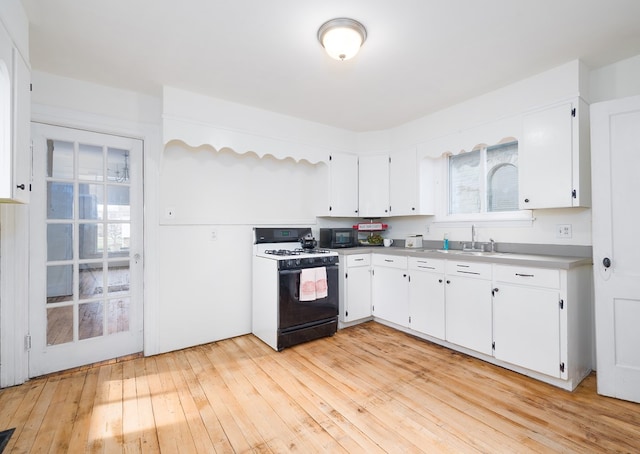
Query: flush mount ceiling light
{"type": "Point", "coordinates": [342, 37]}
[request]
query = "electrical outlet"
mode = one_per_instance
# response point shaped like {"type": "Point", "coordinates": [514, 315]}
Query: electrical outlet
{"type": "Point", "coordinates": [426, 229]}
{"type": "Point", "coordinates": [214, 235]}
{"type": "Point", "coordinates": [563, 231]}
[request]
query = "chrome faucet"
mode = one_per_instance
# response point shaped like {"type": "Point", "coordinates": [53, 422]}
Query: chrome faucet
{"type": "Point", "coordinates": [473, 236]}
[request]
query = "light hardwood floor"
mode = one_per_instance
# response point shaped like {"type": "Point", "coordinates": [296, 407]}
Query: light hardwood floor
{"type": "Point", "coordinates": [367, 389]}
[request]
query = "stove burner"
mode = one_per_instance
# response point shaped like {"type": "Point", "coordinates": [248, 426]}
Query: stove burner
{"type": "Point", "coordinates": [298, 251]}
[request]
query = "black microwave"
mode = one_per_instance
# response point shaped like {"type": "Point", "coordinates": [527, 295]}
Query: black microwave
{"type": "Point", "coordinates": [338, 237]}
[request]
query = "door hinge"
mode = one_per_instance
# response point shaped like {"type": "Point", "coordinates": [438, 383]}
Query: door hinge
{"type": "Point", "coordinates": [346, 314]}
{"type": "Point", "coordinates": [330, 157]}
{"type": "Point", "coordinates": [346, 275]}
{"type": "Point", "coordinates": [330, 208]}
{"type": "Point", "coordinates": [409, 319]}
{"type": "Point", "coordinates": [561, 367]}
{"type": "Point", "coordinates": [573, 112]}
{"type": "Point", "coordinates": [574, 194]}
{"type": "Point", "coordinates": [561, 304]}
{"type": "Point", "coordinates": [493, 345]}
{"type": "Point", "coordinates": [27, 342]}
{"type": "Point", "coordinates": [389, 159]}
{"type": "Point", "coordinates": [30, 87]}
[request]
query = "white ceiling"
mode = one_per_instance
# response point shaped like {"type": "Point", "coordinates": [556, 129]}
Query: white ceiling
{"type": "Point", "coordinates": [420, 55]}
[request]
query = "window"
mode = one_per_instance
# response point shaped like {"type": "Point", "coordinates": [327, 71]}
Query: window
{"type": "Point", "coordinates": [484, 180]}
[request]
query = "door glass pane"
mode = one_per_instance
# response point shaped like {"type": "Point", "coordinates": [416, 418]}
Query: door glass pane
{"type": "Point", "coordinates": [59, 325]}
{"type": "Point", "coordinates": [59, 159]}
{"type": "Point", "coordinates": [90, 280]}
{"type": "Point", "coordinates": [90, 163]}
{"type": "Point", "coordinates": [59, 200]}
{"type": "Point", "coordinates": [118, 239]}
{"type": "Point", "coordinates": [90, 317]}
{"type": "Point", "coordinates": [59, 283]}
{"type": "Point", "coordinates": [118, 165]}
{"type": "Point", "coordinates": [91, 204]}
{"type": "Point", "coordinates": [118, 277]}
{"type": "Point", "coordinates": [118, 208]}
{"type": "Point", "coordinates": [118, 316]}
{"type": "Point", "coordinates": [91, 241]}
{"type": "Point", "coordinates": [59, 242]}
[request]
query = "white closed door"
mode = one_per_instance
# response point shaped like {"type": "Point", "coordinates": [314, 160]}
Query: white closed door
{"type": "Point", "coordinates": [85, 302]}
{"type": "Point", "coordinates": [615, 140]}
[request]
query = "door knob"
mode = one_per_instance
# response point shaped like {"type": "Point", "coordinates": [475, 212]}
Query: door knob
{"type": "Point", "coordinates": [606, 262]}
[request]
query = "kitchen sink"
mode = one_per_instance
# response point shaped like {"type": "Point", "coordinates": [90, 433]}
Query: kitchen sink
{"type": "Point", "coordinates": [459, 252]}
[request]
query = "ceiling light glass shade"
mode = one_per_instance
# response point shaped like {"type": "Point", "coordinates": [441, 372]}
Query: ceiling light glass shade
{"type": "Point", "coordinates": [342, 37]}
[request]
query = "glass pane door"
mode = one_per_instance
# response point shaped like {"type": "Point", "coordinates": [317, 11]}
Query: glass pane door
{"type": "Point", "coordinates": [92, 217]}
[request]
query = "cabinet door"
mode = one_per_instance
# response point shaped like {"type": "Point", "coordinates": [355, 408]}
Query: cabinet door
{"type": "Point", "coordinates": [545, 158]}
{"type": "Point", "coordinates": [21, 130]}
{"type": "Point", "coordinates": [358, 291]}
{"type": "Point", "coordinates": [527, 327]}
{"type": "Point", "coordinates": [390, 295]}
{"type": "Point", "coordinates": [343, 185]}
{"type": "Point", "coordinates": [373, 189]}
{"type": "Point", "coordinates": [6, 115]}
{"type": "Point", "coordinates": [426, 303]}
{"type": "Point", "coordinates": [403, 184]}
{"type": "Point", "coordinates": [468, 313]}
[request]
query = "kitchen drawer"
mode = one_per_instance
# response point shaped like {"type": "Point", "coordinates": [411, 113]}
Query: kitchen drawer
{"type": "Point", "coordinates": [390, 261]}
{"type": "Point", "coordinates": [358, 260]}
{"type": "Point", "coordinates": [538, 277]}
{"type": "Point", "coordinates": [468, 269]}
{"type": "Point", "coordinates": [426, 264]}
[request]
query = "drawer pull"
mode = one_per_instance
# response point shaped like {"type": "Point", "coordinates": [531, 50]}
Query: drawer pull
{"type": "Point", "coordinates": [462, 266]}
{"type": "Point", "coordinates": [358, 260]}
{"type": "Point", "coordinates": [427, 267]}
{"type": "Point", "coordinates": [389, 260]}
{"type": "Point", "coordinates": [524, 275]}
{"type": "Point", "coordinates": [468, 272]}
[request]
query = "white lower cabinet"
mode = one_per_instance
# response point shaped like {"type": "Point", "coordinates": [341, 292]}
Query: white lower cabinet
{"type": "Point", "coordinates": [390, 289]}
{"type": "Point", "coordinates": [528, 322]}
{"type": "Point", "coordinates": [468, 305]}
{"type": "Point", "coordinates": [355, 292]}
{"type": "Point", "coordinates": [426, 296]}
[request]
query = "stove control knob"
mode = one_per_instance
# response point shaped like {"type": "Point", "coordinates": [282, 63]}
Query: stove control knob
{"type": "Point", "coordinates": [297, 261]}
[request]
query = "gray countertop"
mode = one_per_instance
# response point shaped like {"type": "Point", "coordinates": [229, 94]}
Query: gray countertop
{"type": "Point", "coordinates": [504, 258]}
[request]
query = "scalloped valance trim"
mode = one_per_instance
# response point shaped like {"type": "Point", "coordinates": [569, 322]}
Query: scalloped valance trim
{"type": "Point", "coordinates": [248, 153]}
{"type": "Point", "coordinates": [197, 134]}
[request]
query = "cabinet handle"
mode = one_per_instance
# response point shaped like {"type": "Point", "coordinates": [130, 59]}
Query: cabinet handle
{"type": "Point", "coordinates": [358, 260]}
{"type": "Point", "coordinates": [20, 186]}
{"type": "Point", "coordinates": [525, 275]}
{"type": "Point", "coordinates": [526, 200]}
{"type": "Point", "coordinates": [494, 291]}
{"type": "Point", "coordinates": [606, 262]}
{"type": "Point", "coordinates": [440, 281]}
{"type": "Point", "coordinates": [448, 281]}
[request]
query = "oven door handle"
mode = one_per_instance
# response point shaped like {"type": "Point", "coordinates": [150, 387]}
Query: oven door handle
{"type": "Point", "coordinates": [297, 270]}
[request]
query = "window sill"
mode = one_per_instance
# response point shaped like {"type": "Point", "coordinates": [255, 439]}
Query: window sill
{"type": "Point", "coordinates": [522, 218]}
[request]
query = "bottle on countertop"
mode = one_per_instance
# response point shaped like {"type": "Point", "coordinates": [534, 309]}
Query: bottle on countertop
{"type": "Point", "coordinates": [445, 244]}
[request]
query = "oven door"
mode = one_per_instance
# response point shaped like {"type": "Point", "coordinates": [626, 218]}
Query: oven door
{"type": "Point", "coordinates": [296, 314]}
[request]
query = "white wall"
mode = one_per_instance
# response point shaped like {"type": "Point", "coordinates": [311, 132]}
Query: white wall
{"type": "Point", "coordinates": [619, 80]}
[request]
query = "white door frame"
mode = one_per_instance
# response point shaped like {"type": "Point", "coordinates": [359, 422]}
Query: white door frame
{"type": "Point", "coordinates": [14, 314]}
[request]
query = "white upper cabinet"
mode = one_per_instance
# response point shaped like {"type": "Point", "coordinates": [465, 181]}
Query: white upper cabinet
{"type": "Point", "coordinates": [343, 186]}
{"type": "Point", "coordinates": [373, 187]}
{"type": "Point", "coordinates": [15, 117]}
{"type": "Point", "coordinates": [554, 157]}
{"type": "Point", "coordinates": [410, 192]}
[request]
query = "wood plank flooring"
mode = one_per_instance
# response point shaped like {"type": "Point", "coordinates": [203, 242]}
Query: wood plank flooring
{"type": "Point", "coordinates": [368, 389]}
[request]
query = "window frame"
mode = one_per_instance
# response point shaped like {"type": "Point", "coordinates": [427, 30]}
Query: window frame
{"type": "Point", "coordinates": [443, 218]}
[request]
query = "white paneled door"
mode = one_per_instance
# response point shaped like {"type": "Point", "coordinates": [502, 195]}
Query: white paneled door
{"type": "Point", "coordinates": [615, 149]}
{"type": "Point", "coordinates": [86, 248]}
